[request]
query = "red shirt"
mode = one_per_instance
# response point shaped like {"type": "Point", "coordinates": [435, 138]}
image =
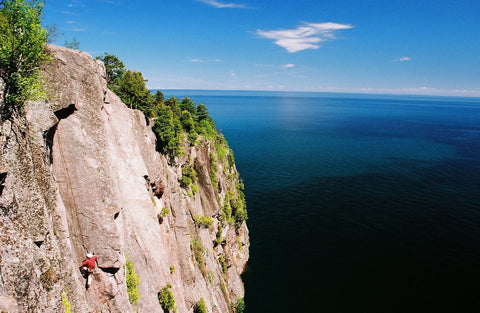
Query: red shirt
{"type": "Point", "coordinates": [90, 262]}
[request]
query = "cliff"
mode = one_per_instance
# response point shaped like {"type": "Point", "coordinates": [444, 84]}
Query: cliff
{"type": "Point", "coordinates": [80, 173]}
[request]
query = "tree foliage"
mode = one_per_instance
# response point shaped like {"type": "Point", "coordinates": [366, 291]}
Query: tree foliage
{"type": "Point", "coordinates": [158, 98]}
{"type": "Point", "coordinates": [22, 51]}
{"type": "Point", "coordinates": [132, 282]}
{"type": "Point", "coordinates": [188, 105]}
{"type": "Point", "coordinates": [134, 93]}
{"type": "Point", "coordinates": [173, 119]}
{"type": "Point", "coordinates": [74, 44]}
{"type": "Point", "coordinates": [168, 139]}
{"type": "Point", "coordinates": [52, 33]}
{"type": "Point", "coordinates": [166, 298]}
{"type": "Point", "coordinates": [200, 307]}
{"type": "Point", "coordinates": [114, 68]}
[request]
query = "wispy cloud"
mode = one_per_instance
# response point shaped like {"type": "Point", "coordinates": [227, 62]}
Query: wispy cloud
{"type": "Point", "coordinates": [200, 60]}
{"type": "Point", "coordinates": [288, 65]}
{"type": "Point", "coordinates": [306, 36]}
{"type": "Point", "coordinates": [403, 59]}
{"type": "Point", "coordinates": [76, 3]}
{"type": "Point", "coordinates": [223, 5]}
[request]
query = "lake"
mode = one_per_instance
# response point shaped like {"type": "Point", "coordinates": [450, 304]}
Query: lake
{"type": "Point", "coordinates": [356, 203]}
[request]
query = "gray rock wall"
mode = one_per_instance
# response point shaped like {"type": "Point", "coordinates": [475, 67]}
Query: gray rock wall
{"type": "Point", "coordinates": [83, 176]}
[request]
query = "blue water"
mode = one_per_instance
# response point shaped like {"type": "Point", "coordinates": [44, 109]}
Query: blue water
{"type": "Point", "coordinates": [357, 203]}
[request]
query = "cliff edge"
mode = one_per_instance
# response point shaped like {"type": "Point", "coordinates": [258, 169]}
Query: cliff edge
{"type": "Point", "coordinates": [80, 173]}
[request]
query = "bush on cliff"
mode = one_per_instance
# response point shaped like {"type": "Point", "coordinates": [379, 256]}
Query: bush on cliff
{"type": "Point", "coordinates": [132, 282]}
{"type": "Point", "coordinates": [114, 69]}
{"type": "Point", "coordinates": [22, 51]}
{"type": "Point", "coordinates": [200, 307]}
{"type": "Point", "coordinates": [166, 298]}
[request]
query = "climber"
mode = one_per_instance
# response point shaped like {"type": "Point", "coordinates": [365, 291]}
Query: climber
{"type": "Point", "coordinates": [88, 267]}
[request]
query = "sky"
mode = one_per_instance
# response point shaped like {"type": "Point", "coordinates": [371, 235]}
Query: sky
{"type": "Point", "coordinates": [425, 47]}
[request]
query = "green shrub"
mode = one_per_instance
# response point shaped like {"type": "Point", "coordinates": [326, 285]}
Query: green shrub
{"type": "Point", "coordinates": [186, 181]}
{"type": "Point", "coordinates": [22, 51]}
{"type": "Point", "coordinates": [240, 307]}
{"type": "Point", "coordinates": [172, 269]}
{"type": "Point", "coordinates": [189, 175]}
{"type": "Point", "coordinates": [198, 251]}
{"type": "Point", "coordinates": [194, 188]}
{"type": "Point", "coordinates": [223, 263]}
{"type": "Point", "coordinates": [213, 171]}
{"type": "Point", "coordinates": [65, 302]}
{"type": "Point", "coordinates": [230, 158]}
{"type": "Point", "coordinates": [166, 298]}
{"type": "Point", "coordinates": [203, 221]}
{"type": "Point", "coordinates": [200, 307]}
{"type": "Point", "coordinates": [219, 235]}
{"type": "Point", "coordinates": [165, 211]}
{"type": "Point", "coordinates": [226, 214]}
{"type": "Point", "coordinates": [221, 149]}
{"type": "Point", "coordinates": [132, 282]}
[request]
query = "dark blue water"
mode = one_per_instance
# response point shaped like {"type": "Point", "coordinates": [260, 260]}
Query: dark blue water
{"type": "Point", "coordinates": [357, 203]}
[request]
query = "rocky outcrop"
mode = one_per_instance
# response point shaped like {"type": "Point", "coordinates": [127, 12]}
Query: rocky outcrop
{"type": "Point", "coordinates": [81, 174]}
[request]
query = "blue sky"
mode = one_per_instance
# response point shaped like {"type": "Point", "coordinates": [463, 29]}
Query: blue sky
{"type": "Point", "coordinates": [360, 46]}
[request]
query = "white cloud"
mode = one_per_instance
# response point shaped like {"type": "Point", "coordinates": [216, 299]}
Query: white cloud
{"type": "Point", "coordinates": [403, 59]}
{"type": "Point", "coordinates": [222, 5]}
{"type": "Point", "coordinates": [288, 65]}
{"type": "Point", "coordinates": [306, 36]}
{"type": "Point", "coordinates": [200, 60]}
{"type": "Point", "coordinates": [232, 73]}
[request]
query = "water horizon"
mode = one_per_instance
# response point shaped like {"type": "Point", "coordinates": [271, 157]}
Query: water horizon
{"type": "Point", "coordinates": [356, 204]}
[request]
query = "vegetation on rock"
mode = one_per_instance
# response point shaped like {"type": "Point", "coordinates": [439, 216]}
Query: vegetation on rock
{"type": "Point", "coordinates": [22, 52]}
{"type": "Point", "coordinates": [166, 298]}
{"type": "Point", "coordinates": [200, 307]}
{"type": "Point", "coordinates": [48, 279]}
{"type": "Point", "coordinates": [132, 282]}
{"type": "Point", "coordinates": [65, 302]}
{"type": "Point", "coordinates": [203, 221]}
{"type": "Point", "coordinates": [114, 69]}
{"type": "Point", "coordinates": [240, 307]}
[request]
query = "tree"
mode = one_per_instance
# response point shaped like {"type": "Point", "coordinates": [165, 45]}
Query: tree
{"type": "Point", "coordinates": [53, 33]}
{"type": "Point", "coordinates": [188, 125]}
{"type": "Point", "coordinates": [168, 138]}
{"type": "Point", "coordinates": [22, 51]}
{"type": "Point", "coordinates": [189, 105]}
{"type": "Point", "coordinates": [202, 112]}
{"type": "Point", "coordinates": [114, 68]}
{"type": "Point", "coordinates": [158, 98]}
{"type": "Point", "coordinates": [74, 44]}
{"type": "Point", "coordinates": [134, 93]}
{"type": "Point", "coordinates": [174, 104]}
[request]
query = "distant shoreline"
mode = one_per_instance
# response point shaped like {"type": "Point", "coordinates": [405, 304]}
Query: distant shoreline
{"type": "Point", "coordinates": [308, 94]}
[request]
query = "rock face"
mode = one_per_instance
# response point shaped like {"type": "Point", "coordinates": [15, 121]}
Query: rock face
{"type": "Point", "coordinates": [81, 174]}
